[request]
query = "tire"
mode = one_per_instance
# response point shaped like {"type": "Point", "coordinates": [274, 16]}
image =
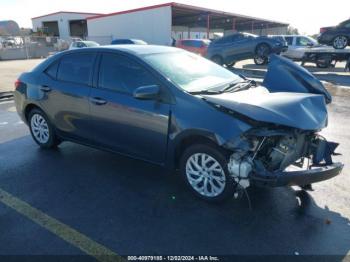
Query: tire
{"type": "Point", "coordinates": [340, 42]}
{"type": "Point", "coordinates": [261, 56]}
{"type": "Point", "coordinates": [42, 130]}
{"type": "Point", "coordinates": [230, 64]}
{"type": "Point", "coordinates": [324, 61]}
{"type": "Point", "coordinates": [219, 185]}
{"type": "Point", "coordinates": [217, 59]}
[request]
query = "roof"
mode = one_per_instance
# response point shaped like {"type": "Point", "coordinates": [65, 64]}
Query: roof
{"type": "Point", "coordinates": [184, 12]}
{"type": "Point", "coordinates": [67, 12]}
{"type": "Point", "coordinates": [141, 49]}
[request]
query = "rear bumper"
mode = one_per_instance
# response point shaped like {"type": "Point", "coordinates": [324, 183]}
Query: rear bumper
{"type": "Point", "coordinates": [298, 178]}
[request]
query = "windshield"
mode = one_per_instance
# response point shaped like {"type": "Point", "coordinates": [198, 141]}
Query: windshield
{"type": "Point", "coordinates": [139, 42]}
{"type": "Point", "coordinates": [191, 72]}
{"type": "Point", "coordinates": [91, 44]}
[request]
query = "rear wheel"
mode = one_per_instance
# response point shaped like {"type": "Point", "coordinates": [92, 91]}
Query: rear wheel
{"type": "Point", "coordinates": [262, 54]}
{"type": "Point", "coordinates": [230, 64]}
{"type": "Point", "coordinates": [204, 168]}
{"type": "Point", "coordinates": [41, 129]}
{"type": "Point", "coordinates": [217, 59]}
{"type": "Point", "coordinates": [340, 42]}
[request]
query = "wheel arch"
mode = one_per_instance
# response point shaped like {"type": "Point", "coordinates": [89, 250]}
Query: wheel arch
{"type": "Point", "coordinates": [260, 44]}
{"type": "Point", "coordinates": [29, 107]}
{"type": "Point", "coordinates": [190, 139]}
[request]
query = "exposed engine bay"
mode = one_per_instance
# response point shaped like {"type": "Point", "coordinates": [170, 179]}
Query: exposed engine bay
{"type": "Point", "coordinates": [267, 153]}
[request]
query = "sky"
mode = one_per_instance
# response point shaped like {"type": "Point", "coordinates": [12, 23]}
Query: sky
{"type": "Point", "coordinates": [306, 15]}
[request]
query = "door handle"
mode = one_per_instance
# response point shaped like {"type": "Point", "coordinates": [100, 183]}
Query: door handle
{"type": "Point", "coordinates": [98, 101]}
{"type": "Point", "coordinates": [45, 88]}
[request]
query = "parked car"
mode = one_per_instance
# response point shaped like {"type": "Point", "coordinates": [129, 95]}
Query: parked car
{"type": "Point", "coordinates": [179, 110]}
{"type": "Point", "coordinates": [240, 46]}
{"type": "Point", "coordinates": [197, 46]}
{"type": "Point", "coordinates": [82, 44]}
{"type": "Point", "coordinates": [338, 36]}
{"type": "Point", "coordinates": [128, 42]}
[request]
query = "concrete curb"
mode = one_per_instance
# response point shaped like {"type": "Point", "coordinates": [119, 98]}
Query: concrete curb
{"type": "Point", "coordinates": [6, 95]}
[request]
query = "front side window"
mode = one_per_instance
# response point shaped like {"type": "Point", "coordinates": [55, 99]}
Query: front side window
{"type": "Point", "coordinates": [119, 73]}
{"type": "Point", "coordinates": [76, 68]}
{"type": "Point", "coordinates": [302, 41]}
{"type": "Point", "coordinates": [191, 72]}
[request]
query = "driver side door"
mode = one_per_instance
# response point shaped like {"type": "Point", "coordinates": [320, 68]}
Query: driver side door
{"type": "Point", "coordinates": [122, 123]}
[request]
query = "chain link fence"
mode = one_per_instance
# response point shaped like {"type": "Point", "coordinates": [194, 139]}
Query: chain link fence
{"type": "Point", "coordinates": [26, 47]}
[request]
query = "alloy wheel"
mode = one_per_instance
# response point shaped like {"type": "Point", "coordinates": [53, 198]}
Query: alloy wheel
{"type": "Point", "coordinates": [340, 42]}
{"type": "Point", "coordinates": [205, 175]}
{"type": "Point", "coordinates": [40, 128]}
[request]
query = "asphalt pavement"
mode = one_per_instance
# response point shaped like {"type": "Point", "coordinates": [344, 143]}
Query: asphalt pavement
{"type": "Point", "coordinates": [75, 199]}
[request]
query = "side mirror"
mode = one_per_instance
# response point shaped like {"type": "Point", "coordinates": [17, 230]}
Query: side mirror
{"type": "Point", "coordinates": [309, 44]}
{"type": "Point", "coordinates": [150, 92]}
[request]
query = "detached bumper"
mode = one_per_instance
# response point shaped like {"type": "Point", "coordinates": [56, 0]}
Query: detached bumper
{"type": "Point", "coordinates": [298, 178]}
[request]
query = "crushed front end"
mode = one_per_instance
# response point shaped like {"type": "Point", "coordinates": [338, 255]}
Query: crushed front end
{"type": "Point", "coordinates": [282, 157]}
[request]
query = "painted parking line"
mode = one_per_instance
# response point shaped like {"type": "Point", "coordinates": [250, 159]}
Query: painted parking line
{"type": "Point", "coordinates": [70, 235]}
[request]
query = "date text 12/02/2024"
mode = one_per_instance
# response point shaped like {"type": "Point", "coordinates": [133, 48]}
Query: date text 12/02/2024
{"type": "Point", "coordinates": [173, 258]}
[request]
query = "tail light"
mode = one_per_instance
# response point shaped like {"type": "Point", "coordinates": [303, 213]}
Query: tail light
{"type": "Point", "coordinates": [322, 30]}
{"type": "Point", "coordinates": [18, 83]}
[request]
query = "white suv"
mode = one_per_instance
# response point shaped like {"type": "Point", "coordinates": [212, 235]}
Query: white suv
{"type": "Point", "coordinates": [297, 45]}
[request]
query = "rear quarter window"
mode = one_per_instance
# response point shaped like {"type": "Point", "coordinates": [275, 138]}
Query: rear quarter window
{"type": "Point", "coordinates": [51, 71]}
{"type": "Point", "coordinates": [76, 68]}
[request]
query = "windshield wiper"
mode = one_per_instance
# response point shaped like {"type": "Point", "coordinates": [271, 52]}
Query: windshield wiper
{"type": "Point", "coordinates": [238, 86]}
{"type": "Point", "coordinates": [205, 92]}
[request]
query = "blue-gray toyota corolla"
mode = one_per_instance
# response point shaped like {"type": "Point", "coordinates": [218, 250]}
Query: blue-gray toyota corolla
{"type": "Point", "coordinates": [222, 132]}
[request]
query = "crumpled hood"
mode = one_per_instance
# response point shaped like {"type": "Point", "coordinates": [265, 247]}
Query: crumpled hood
{"type": "Point", "coordinates": [283, 75]}
{"type": "Point", "coordinates": [299, 110]}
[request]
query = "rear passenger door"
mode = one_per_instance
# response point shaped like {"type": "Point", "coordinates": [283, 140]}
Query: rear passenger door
{"type": "Point", "coordinates": [121, 122]}
{"type": "Point", "coordinates": [66, 87]}
{"type": "Point", "coordinates": [237, 49]}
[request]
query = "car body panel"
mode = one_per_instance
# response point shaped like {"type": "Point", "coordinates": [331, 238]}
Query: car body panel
{"type": "Point", "coordinates": [155, 130]}
{"type": "Point", "coordinates": [328, 34]}
{"type": "Point", "coordinates": [197, 46]}
{"type": "Point", "coordinates": [284, 75]}
{"type": "Point", "coordinates": [307, 112]}
{"type": "Point", "coordinates": [241, 46]}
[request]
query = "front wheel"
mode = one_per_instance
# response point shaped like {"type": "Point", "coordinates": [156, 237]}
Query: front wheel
{"type": "Point", "coordinates": [340, 42]}
{"type": "Point", "coordinates": [261, 56]}
{"type": "Point", "coordinates": [217, 59]}
{"type": "Point", "coordinates": [204, 169]}
{"type": "Point", "coordinates": [41, 129]}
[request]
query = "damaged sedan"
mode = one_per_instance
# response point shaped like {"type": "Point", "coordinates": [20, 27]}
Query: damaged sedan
{"type": "Point", "coordinates": [222, 132]}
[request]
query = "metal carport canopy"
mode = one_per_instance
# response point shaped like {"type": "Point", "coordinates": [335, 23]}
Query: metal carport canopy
{"type": "Point", "coordinates": [193, 16]}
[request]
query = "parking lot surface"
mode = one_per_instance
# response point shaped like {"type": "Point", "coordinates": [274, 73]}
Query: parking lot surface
{"type": "Point", "coordinates": [131, 207]}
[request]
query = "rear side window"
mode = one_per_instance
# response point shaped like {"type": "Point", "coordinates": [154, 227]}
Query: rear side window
{"type": "Point", "coordinates": [120, 73]}
{"type": "Point", "coordinates": [51, 71]}
{"type": "Point", "coordinates": [289, 40]}
{"type": "Point", "coordinates": [76, 68]}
